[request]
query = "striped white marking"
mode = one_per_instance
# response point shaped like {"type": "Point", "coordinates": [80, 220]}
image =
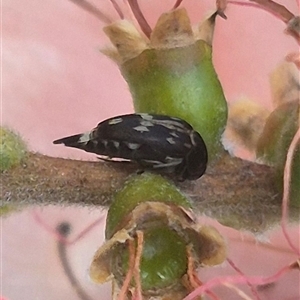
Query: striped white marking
{"type": "Point", "coordinates": [115, 121]}
{"type": "Point", "coordinates": [85, 137]}
{"type": "Point", "coordinates": [171, 141]}
{"type": "Point", "coordinates": [141, 128]}
{"type": "Point", "coordinates": [133, 146]}
{"type": "Point", "coordinates": [146, 117]}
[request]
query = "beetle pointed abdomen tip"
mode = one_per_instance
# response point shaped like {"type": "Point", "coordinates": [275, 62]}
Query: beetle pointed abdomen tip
{"type": "Point", "coordinates": [70, 141]}
{"type": "Point", "coordinates": [56, 142]}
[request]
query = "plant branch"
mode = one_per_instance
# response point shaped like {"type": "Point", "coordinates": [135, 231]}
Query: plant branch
{"type": "Point", "coordinates": [237, 193]}
{"type": "Point", "coordinates": [43, 180]}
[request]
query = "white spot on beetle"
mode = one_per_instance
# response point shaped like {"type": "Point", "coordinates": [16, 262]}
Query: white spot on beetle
{"type": "Point", "coordinates": [187, 145]}
{"type": "Point", "coordinates": [141, 128]}
{"type": "Point", "coordinates": [174, 118]}
{"type": "Point", "coordinates": [172, 159]}
{"type": "Point", "coordinates": [172, 125]}
{"type": "Point", "coordinates": [153, 162]}
{"type": "Point", "coordinates": [85, 137]}
{"type": "Point", "coordinates": [146, 117]}
{"type": "Point", "coordinates": [133, 146]}
{"type": "Point", "coordinates": [116, 144]}
{"type": "Point", "coordinates": [171, 141]}
{"type": "Point", "coordinates": [115, 121]}
{"type": "Point", "coordinates": [172, 163]}
{"type": "Point", "coordinates": [147, 123]}
{"type": "Point", "coordinates": [174, 134]}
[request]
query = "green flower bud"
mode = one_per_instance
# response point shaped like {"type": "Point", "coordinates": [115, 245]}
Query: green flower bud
{"type": "Point", "coordinates": [13, 149]}
{"type": "Point", "coordinates": [180, 82]}
{"type": "Point", "coordinates": [152, 206]}
{"type": "Point", "coordinates": [138, 189]}
{"type": "Point", "coordinates": [173, 74]}
{"type": "Point", "coordinates": [274, 143]}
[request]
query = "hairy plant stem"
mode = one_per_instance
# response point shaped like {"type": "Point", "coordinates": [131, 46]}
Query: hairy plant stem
{"type": "Point", "coordinates": [238, 193]}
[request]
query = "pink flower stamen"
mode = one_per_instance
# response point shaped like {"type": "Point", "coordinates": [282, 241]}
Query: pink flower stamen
{"type": "Point", "coordinates": [145, 27]}
{"type": "Point", "coordinates": [254, 280]}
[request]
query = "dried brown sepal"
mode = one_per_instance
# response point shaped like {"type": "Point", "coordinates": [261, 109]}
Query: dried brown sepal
{"type": "Point", "coordinates": [205, 30]}
{"type": "Point", "coordinates": [174, 216]}
{"type": "Point", "coordinates": [127, 40]}
{"type": "Point", "coordinates": [173, 29]}
{"type": "Point", "coordinates": [211, 244]}
{"type": "Point", "coordinates": [285, 84]}
{"type": "Point", "coordinates": [246, 120]}
{"type": "Point", "coordinates": [100, 269]}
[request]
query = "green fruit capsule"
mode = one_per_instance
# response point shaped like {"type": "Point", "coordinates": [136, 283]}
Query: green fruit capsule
{"type": "Point", "coordinates": [163, 261]}
{"type": "Point", "coordinates": [173, 74]}
{"type": "Point", "coordinates": [12, 149]}
{"type": "Point", "coordinates": [151, 206]}
{"type": "Point", "coordinates": [138, 189]}
{"type": "Point", "coordinates": [274, 143]}
{"type": "Point", "coordinates": [180, 82]}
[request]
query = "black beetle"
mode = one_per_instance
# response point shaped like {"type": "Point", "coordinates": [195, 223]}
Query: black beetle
{"type": "Point", "coordinates": [153, 141]}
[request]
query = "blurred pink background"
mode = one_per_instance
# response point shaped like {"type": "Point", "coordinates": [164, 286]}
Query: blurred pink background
{"type": "Point", "coordinates": [55, 83]}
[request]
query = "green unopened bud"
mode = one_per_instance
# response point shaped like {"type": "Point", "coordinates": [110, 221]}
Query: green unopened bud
{"type": "Point", "coordinates": [174, 75]}
{"type": "Point", "coordinates": [274, 143]}
{"type": "Point", "coordinates": [174, 245]}
{"type": "Point", "coordinates": [147, 187]}
{"type": "Point", "coordinates": [12, 149]}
